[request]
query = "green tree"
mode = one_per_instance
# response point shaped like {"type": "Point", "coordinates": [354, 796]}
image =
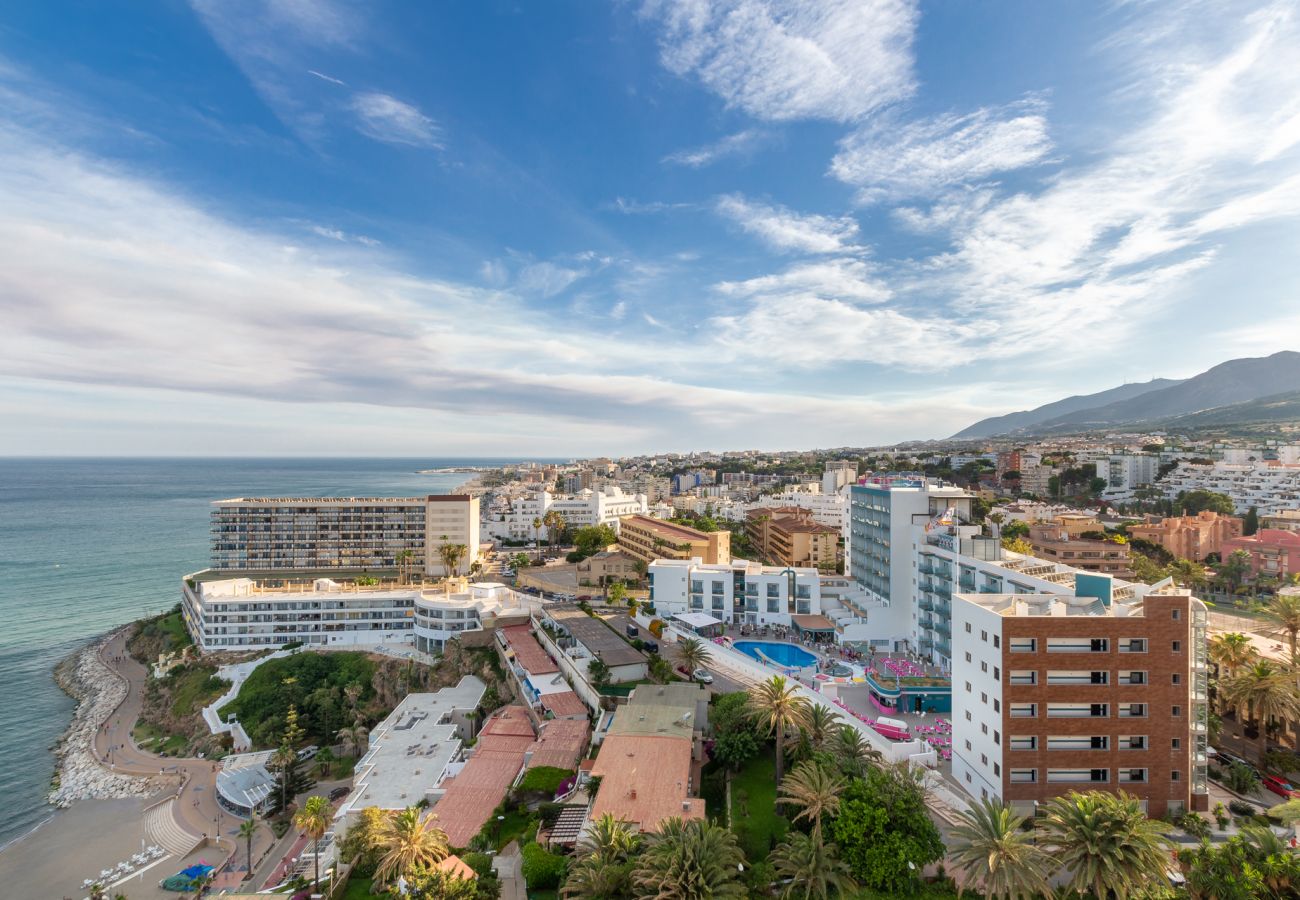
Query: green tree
{"type": "Point", "coordinates": [778, 707]}
{"type": "Point", "coordinates": [853, 752]}
{"type": "Point", "coordinates": [599, 673]}
{"type": "Point", "coordinates": [591, 539]}
{"type": "Point", "coordinates": [883, 825]}
{"type": "Point", "coordinates": [689, 860]}
{"type": "Point", "coordinates": [814, 791]}
{"type": "Point", "coordinates": [1105, 842]}
{"type": "Point", "coordinates": [692, 654]}
{"type": "Point", "coordinates": [1191, 502]}
{"type": "Point", "coordinates": [1240, 778]}
{"type": "Point", "coordinates": [354, 739]}
{"type": "Point", "coordinates": [603, 861]}
{"type": "Point", "coordinates": [1267, 691]}
{"type": "Point", "coordinates": [312, 820]}
{"type": "Point", "coordinates": [451, 556]}
{"type": "Point", "coordinates": [810, 868]}
{"type": "Point", "coordinates": [407, 842]}
{"type": "Point", "coordinates": [248, 831]}
{"type": "Point", "coordinates": [616, 593]}
{"type": "Point", "coordinates": [435, 884]}
{"type": "Point", "coordinates": [1250, 524]}
{"type": "Point", "coordinates": [1233, 569]}
{"type": "Point", "coordinates": [995, 855]}
{"type": "Point", "coordinates": [537, 540]}
{"type": "Point", "coordinates": [1017, 545]}
{"type": "Point", "coordinates": [1284, 609]}
{"type": "Point", "coordinates": [735, 748]}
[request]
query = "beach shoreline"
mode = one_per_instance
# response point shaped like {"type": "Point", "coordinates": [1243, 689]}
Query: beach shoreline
{"type": "Point", "coordinates": [79, 774]}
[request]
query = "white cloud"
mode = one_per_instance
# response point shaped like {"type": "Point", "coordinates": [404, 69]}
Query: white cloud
{"type": "Point", "coordinates": [323, 77]}
{"type": "Point", "coordinates": [788, 231]}
{"type": "Point", "coordinates": [888, 160]}
{"type": "Point", "coordinates": [546, 278]}
{"type": "Point", "coordinates": [792, 59]}
{"type": "Point", "coordinates": [618, 311]}
{"type": "Point", "coordinates": [840, 279]}
{"type": "Point", "coordinates": [332, 233]}
{"type": "Point", "coordinates": [385, 118]}
{"type": "Point", "coordinates": [637, 208]}
{"type": "Point", "coordinates": [741, 143]}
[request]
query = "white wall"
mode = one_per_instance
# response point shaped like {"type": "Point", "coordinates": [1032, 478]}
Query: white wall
{"type": "Point", "coordinates": [971, 715]}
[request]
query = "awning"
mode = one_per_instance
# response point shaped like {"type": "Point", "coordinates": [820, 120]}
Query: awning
{"type": "Point", "coordinates": [697, 620]}
{"type": "Point", "coordinates": [813, 623]}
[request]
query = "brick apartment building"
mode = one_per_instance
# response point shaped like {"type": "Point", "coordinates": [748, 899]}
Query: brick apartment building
{"type": "Point", "coordinates": [1082, 692]}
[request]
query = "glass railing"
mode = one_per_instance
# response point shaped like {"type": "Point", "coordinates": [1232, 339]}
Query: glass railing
{"type": "Point", "coordinates": [943, 628]}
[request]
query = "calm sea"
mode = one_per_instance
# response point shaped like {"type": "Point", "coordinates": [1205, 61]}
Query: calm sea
{"type": "Point", "coordinates": [88, 544]}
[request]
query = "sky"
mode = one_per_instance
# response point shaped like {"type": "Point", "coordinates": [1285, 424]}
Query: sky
{"type": "Point", "coordinates": [300, 227]}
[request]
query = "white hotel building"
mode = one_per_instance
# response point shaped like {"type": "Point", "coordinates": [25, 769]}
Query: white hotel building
{"type": "Point", "coordinates": [738, 593]}
{"type": "Point", "coordinates": [1267, 485]}
{"type": "Point", "coordinates": [514, 520]}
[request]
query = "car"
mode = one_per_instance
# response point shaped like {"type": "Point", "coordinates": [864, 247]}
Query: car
{"type": "Point", "coordinates": [339, 793]}
{"type": "Point", "coordinates": [1279, 786]}
{"type": "Point", "coordinates": [308, 752]}
{"type": "Point", "coordinates": [632, 630]}
{"type": "Point", "coordinates": [702, 676]}
{"type": "Point", "coordinates": [1229, 759]}
{"type": "Point", "coordinates": [586, 597]}
{"type": "Point", "coordinates": [652, 647]}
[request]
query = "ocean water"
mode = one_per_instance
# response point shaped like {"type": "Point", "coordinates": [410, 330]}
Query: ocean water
{"type": "Point", "coordinates": [89, 544]}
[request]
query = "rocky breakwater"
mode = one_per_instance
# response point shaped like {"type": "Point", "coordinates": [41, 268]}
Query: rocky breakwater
{"type": "Point", "coordinates": [80, 775]}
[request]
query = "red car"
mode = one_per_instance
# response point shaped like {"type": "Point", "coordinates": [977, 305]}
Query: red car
{"type": "Point", "coordinates": [1280, 786]}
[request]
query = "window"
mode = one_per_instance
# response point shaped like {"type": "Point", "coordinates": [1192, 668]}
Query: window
{"type": "Point", "coordinates": [997, 673]}
{"type": "Point", "coordinates": [1075, 776]}
{"type": "Point", "coordinates": [1176, 646]}
{"type": "Point", "coordinates": [1077, 645]}
{"type": "Point", "coordinates": [984, 636]}
{"type": "Point", "coordinates": [1058, 676]}
{"type": "Point", "coordinates": [1176, 743]}
{"type": "Point", "coordinates": [1024, 776]}
{"type": "Point", "coordinates": [1178, 614]}
{"type": "Point", "coordinates": [1078, 710]}
{"type": "Point", "coordinates": [968, 745]}
{"type": "Point", "coordinates": [1133, 742]}
{"type": "Point", "coordinates": [967, 656]}
{"type": "Point", "coordinates": [997, 640]}
{"type": "Point", "coordinates": [1131, 776]}
{"type": "Point", "coordinates": [968, 687]}
{"type": "Point", "coordinates": [984, 697]}
{"type": "Point", "coordinates": [968, 718]}
{"type": "Point", "coordinates": [1174, 775]}
{"type": "Point", "coordinates": [1024, 645]}
{"type": "Point", "coordinates": [1177, 678]}
{"type": "Point", "coordinates": [1078, 742]}
{"type": "Point", "coordinates": [1176, 712]}
{"type": "Point", "coordinates": [1024, 676]}
{"type": "Point", "coordinates": [997, 738]}
{"type": "Point", "coordinates": [1133, 645]}
{"type": "Point", "coordinates": [1024, 742]}
{"type": "Point", "coordinates": [1021, 711]}
{"type": "Point", "coordinates": [997, 705]}
{"type": "Point", "coordinates": [984, 759]}
{"type": "Point", "coordinates": [1132, 710]}
{"type": "Point", "coordinates": [1132, 676]}
{"type": "Point", "coordinates": [984, 666]}
{"type": "Point", "coordinates": [968, 631]}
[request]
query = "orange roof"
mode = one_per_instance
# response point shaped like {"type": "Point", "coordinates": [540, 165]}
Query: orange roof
{"type": "Point", "coordinates": [561, 744]}
{"type": "Point", "coordinates": [472, 794]}
{"type": "Point", "coordinates": [507, 721]}
{"type": "Point", "coordinates": [644, 779]}
{"type": "Point", "coordinates": [530, 654]}
{"type": "Point", "coordinates": [564, 703]}
{"type": "Point", "coordinates": [455, 866]}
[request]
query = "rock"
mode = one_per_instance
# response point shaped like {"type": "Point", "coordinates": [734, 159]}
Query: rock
{"type": "Point", "coordinates": [81, 776]}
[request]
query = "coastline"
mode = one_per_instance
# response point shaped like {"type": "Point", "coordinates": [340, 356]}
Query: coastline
{"type": "Point", "coordinates": [78, 772]}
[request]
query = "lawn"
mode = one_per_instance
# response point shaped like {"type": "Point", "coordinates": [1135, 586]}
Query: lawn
{"type": "Point", "coordinates": [194, 687]}
{"type": "Point", "coordinates": [147, 737]}
{"type": "Point", "coordinates": [753, 807]}
{"type": "Point", "coordinates": [357, 889]}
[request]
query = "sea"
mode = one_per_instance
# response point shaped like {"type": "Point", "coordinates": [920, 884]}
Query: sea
{"type": "Point", "coordinates": [90, 544]}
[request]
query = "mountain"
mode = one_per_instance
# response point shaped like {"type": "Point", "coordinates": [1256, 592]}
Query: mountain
{"type": "Point", "coordinates": [1021, 421]}
{"type": "Point", "coordinates": [1284, 407]}
{"type": "Point", "coordinates": [1237, 381]}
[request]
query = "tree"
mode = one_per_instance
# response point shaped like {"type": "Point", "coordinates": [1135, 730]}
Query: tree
{"type": "Point", "coordinates": [616, 592]}
{"type": "Point", "coordinates": [777, 706]}
{"type": "Point", "coordinates": [689, 860]}
{"type": "Point", "coordinates": [819, 726]}
{"type": "Point", "coordinates": [1188, 573]}
{"type": "Point", "coordinates": [591, 539]}
{"type": "Point", "coordinates": [1017, 545]}
{"type": "Point", "coordinates": [1267, 691]}
{"type": "Point", "coordinates": [1192, 502]}
{"type": "Point", "coordinates": [883, 825]}
{"type": "Point", "coordinates": [995, 855]}
{"type": "Point", "coordinates": [247, 831]}
{"type": "Point", "coordinates": [598, 672]}
{"type": "Point", "coordinates": [1250, 524]}
{"type": "Point", "coordinates": [853, 753]}
{"type": "Point", "coordinates": [1105, 842]}
{"type": "Point", "coordinates": [451, 556]}
{"type": "Point", "coordinates": [1233, 569]}
{"type": "Point", "coordinates": [312, 820]}
{"type": "Point", "coordinates": [603, 867]}
{"type": "Point", "coordinates": [435, 884]}
{"type": "Point", "coordinates": [408, 841]}
{"type": "Point", "coordinates": [1016, 528]}
{"type": "Point", "coordinates": [403, 559]}
{"type": "Point", "coordinates": [291, 777]}
{"type": "Point", "coordinates": [814, 791]}
{"type": "Point", "coordinates": [1241, 778]}
{"type": "Point", "coordinates": [692, 653]}
{"type": "Point", "coordinates": [324, 759]}
{"type": "Point", "coordinates": [995, 520]}
{"type": "Point", "coordinates": [355, 739]}
{"type": "Point", "coordinates": [537, 541]}
{"type": "Point", "coordinates": [1284, 609]}
{"type": "Point", "coordinates": [810, 868]}
{"type": "Point", "coordinates": [1230, 651]}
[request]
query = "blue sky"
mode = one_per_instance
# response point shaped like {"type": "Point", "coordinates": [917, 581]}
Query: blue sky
{"type": "Point", "coordinates": [301, 226]}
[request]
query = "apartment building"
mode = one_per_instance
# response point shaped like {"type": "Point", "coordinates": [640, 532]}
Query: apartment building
{"type": "Point", "coordinates": [513, 518]}
{"type": "Point", "coordinates": [790, 536]}
{"type": "Point", "coordinates": [1081, 691]}
{"type": "Point", "coordinates": [828, 509]}
{"type": "Point", "coordinates": [740, 593]}
{"type": "Point", "coordinates": [1061, 540]}
{"type": "Point", "coordinates": [1273, 553]}
{"type": "Point", "coordinates": [1282, 520]}
{"type": "Point", "coordinates": [1268, 485]}
{"type": "Point", "coordinates": [837, 475]}
{"type": "Point", "coordinates": [1125, 472]}
{"type": "Point", "coordinates": [351, 534]}
{"type": "Point", "coordinates": [649, 539]}
{"type": "Point", "coordinates": [1190, 537]}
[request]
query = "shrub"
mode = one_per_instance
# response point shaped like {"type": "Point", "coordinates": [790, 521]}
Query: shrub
{"type": "Point", "coordinates": [544, 780]}
{"type": "Point", "coordinates": [481, 863]}
{"type": "Point", "coordinates": [657, 628]}
{"type": "Point", "coordinates": [1241, 808]}
{"type": "Point", "coordinates": [542, 870]}
{"type": "Point", "coordinates": [1241, 779]}
{"type": "Point", "coordinates": [1194, 824]}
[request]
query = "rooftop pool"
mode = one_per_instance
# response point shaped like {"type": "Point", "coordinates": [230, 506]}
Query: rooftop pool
{"type": "Point", "coordinates": [782, 654]}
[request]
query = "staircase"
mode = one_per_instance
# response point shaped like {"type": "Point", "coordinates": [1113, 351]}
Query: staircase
{"type": "Point", "coordinates": [161, 828]}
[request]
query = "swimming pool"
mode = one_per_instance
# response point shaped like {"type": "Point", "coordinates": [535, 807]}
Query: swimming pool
{"type": "Point", "coordinates": [782, 654]}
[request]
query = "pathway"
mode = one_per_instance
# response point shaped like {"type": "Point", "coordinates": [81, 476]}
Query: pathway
{"type": "Point", "coordinates": [509, 870]}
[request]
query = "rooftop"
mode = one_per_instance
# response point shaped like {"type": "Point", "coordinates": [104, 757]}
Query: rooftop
{"type": "Point", "coordinates": [528, 652]}
{"type": "Point", "coordinates": [561, 744]}
{"type": "Point", "coordinates": [664, 527]}
{"type": "Point", "coordinates": [564, 704]}
{"type": "Point", "coordinates": [474, 792]}
{"type": "Point", "coordinates": [596, 636]}
{"type": "Point", "coordinates": [645, 779]}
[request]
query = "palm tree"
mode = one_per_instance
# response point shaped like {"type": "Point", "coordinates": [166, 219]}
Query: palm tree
{"type": "Point", "coordinates": [1267, 691]}
{"type": "Point", "coordinates": [354, 738]}
{"type": "Point", "coordinates": [991, 852]}
{"type": "Point", "coordinates": [819, 725]}
{"type": "Point", "coordinates": [537, 540]}
{"type": "Point", "coordinates": [312, 820]}
{"type": "Point", "coordinates": [403, 559]}
{"type": "Point", "coordinates": [1106, 843]}
{"type": "Point", "coordinates": [281, 761]}
{"type": "Point", "coordinates": [811, 868]}
{"type": "Point", "coordinates": [996, 519]}
{"type": "Point", "coordinates": [408, 841]}
{"type": "Point", "coordinates": [247, 831]}
{"type": "Point", "coordinates": [692, 654]}
{"type": "Point", "coordinates": [777, 706]}
{"type": "Point", "coordinates": [603, 868]}
{"type": "Point", "coordinates": [690, 860]}
{"type": "Point", "coordinates": [451, 555]}
{"type": "Point", "coordinates": [1284, 609]}
{"type": "Point", "coordinates": [853, 752]}
{"type": "Point", "coordinates": [1189, 573]}
{"type": "Point", "coordinates": [1230, 651]}
{"type": "Point", "coordinates": [815, 791]}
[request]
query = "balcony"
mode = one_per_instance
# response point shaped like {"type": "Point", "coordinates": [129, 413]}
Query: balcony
{"type": "Point", "coordinates": [925, 604]}
{"type": "Point", "coordinates": [943, 628]}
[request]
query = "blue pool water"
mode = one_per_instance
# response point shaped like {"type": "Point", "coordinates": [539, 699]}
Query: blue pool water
{"type": "Point", "coordinates": [784, 654]}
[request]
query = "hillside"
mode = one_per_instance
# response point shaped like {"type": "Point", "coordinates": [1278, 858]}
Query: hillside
{"type": "Point", "coordinates": [1284, 407]}
{"type": "Point", "coordinates": [1212, 393]}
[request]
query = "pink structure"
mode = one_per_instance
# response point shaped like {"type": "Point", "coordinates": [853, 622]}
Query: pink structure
{"type": "Point", "coordinates": [1271, 552]}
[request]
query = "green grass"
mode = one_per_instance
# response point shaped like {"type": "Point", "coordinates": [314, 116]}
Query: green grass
{"type": "Point", "coordinates": [147, 737]}
{"type": "Point", "coordinates": [173, 625]}
{"type": "Point", "coordinates": [753, 807]}
{"type": "Point", "coordinates": [542, 895]}
{"type": "Point", "coordinates": [357, 889]}
{"type": "Point", "coordinates": [194, 687]}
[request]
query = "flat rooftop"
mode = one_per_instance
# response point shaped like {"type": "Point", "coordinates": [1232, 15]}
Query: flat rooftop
{"type": "Point", "coordinates": [411, 749]}
{"type": "Point", "coordinates": [664, 527]}
{"type": "Point", "coordinates": [596, 636]}
{"type": "Point", "coordinates": [1013, 606]}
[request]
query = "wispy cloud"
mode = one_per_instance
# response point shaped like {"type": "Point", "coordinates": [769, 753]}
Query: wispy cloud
{"type": "Point", "coordinates": [889, 160]}
{"type": "Point", "coordinates": [792, 59]}
{"type": "Point", "coordinates": [323, 77]}
{"type": "Point", "coordinates": [338, 234]}
{"type": "Point", "coordinates": [788, 231]}
{"type": "Point", "coordinates": [639, 208]}
{"type": "Point", "coordinates": [739, 144]}
{"type": "Point", "coordinates": [385, 118]}
{"type": "Point", "coordinates": [546, 278]}
{"type": "Point", "coordinates": [839, 279]}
